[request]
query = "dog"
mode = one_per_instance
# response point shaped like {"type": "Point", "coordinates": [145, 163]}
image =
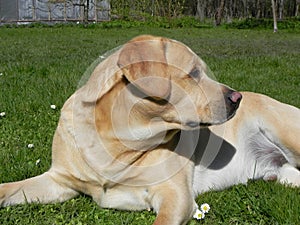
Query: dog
{"type": "Point", "coordinates": [124, 137]}
{"type": "Point", "coordinates": [259, 142]}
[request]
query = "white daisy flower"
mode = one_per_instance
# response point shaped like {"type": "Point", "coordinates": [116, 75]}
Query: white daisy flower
{"type": "Point", "coordinates": [2, 114]}
{"type": "Point", "coordinates": [199, 215]}
{"type": "Point", "coordinates": [1, 74]}
{"type": "Point", "coordinates": [37, 162]}
{"type": "Point", "coordinates": [205, 207]}
{"type": "Point", "coordinates": [53, 106]}
{"type": "Point", "coordinates": [30, 146]}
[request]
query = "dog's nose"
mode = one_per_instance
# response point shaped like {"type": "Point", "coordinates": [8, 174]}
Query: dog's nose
{"type": "Point", "coordinates": [234, 97]}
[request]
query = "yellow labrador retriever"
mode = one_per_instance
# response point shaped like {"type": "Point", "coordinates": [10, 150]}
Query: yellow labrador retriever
{"type": "Point", "coordinates": [119, 137]}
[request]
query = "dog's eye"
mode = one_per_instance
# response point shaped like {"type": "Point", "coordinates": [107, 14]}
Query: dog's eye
{"type": "Point", "coordinates": [195, 73]}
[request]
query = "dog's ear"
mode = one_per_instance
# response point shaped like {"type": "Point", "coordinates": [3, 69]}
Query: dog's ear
{"type": "Point", "coordinates": [143, 62]}
{"type": "Point", "coordinates": [104, 76]}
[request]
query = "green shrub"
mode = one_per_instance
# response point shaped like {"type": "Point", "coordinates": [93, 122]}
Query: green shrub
{"type": "Point", "coordinates": [250, 23]}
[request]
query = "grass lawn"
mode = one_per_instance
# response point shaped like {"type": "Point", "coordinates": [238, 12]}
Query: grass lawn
{"type": "Point", "coordinates": [43, 66]}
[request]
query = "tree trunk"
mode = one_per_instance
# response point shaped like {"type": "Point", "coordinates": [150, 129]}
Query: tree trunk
{"type": "Point", "coordinates": [281, 9]}
{"type": "Point", "coordinates": [244, 8]}
{"type": "Point", "coordinates": [201, 10]}
{"type": "Point", "coordinates": [258, 9]}
{"type": "Point", "coordinates": [230, 11]}
{"type": "Point", "coordinates": [219, 13]}
{"type": "Point", "coordinates": [297, 7]}
{"type": "Point", "coordinates": [274, 15]}
{"type": "Point", "coordinates": [152, 8]}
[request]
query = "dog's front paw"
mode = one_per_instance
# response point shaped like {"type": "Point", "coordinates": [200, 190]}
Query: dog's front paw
{"type": "Point", "coordinates": [270, 176]}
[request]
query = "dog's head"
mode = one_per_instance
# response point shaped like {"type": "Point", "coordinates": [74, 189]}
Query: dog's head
{"type": "Point", "coordinates": [166, 81]}
{"type": "Point", "coordinates": [175, 79]}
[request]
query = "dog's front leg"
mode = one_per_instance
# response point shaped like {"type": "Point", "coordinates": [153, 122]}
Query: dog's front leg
{"type": "Point", "coordinates": [173, 200]}
{"type": "Point", "coordinates": [289, 175]}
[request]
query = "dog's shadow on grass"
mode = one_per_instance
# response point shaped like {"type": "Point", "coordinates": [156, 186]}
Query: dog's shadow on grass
{"type": "Point", "coordinates": [209, 151]}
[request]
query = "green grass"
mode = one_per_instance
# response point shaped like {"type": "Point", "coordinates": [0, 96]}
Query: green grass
{"type": "Point", "coordinates": [42, 66]}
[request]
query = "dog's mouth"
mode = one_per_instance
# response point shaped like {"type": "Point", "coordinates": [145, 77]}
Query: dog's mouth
{"type": "Point", "coordinates": [193, 124]}
{"type": "Point", "coordinates": [205, 124]}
